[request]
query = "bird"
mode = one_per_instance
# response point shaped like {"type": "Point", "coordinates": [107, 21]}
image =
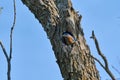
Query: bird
{"type": "Point", "coordinates": [68, 38]}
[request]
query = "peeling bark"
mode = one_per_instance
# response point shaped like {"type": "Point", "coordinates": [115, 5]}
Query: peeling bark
{"type": "Point", "coordinates": [56, 17]}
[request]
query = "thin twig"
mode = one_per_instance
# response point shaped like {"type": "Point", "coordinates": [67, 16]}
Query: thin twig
{"type": "Point", "coordinates": [11, 34]}
{"type": "Point", "coordinates": [12, 28]}
{"type": "Point", "coordinates": [98, 61]}
{"type": "Point", "coordinates": [4, 51]}
{"type": "Point", "coordinates": [98, 49]}
{"type": "Point", "coordinates": [8, 58]}
{"type": "Point", "coordinates": [106, 68]}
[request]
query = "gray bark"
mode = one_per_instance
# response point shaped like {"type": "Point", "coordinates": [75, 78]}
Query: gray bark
{"type": "Point", "coordinates": [56, 17]}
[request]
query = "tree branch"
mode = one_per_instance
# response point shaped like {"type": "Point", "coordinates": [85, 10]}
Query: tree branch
{"type": "Point", "coordinates": [12, 28]}
{"type": "Point", "coordinates": [11, 34]}
{"type": "Point", "coordinates": [106, 68]}
{"type": "Point", "coordinates": [4, 51]}
{"type": "Point", "coordinates": [8, 58]}
{"type": "Point", "coordinates": [98, 61]}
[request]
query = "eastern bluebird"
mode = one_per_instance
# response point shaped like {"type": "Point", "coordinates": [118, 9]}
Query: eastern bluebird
{"type": "Point", "coordinates": [68, 38]}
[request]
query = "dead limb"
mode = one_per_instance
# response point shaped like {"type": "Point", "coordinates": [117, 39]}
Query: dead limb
{"type": "Point", "coordinates": [9, 56]}
{"type": "Point", "coordinates": [105, 66]}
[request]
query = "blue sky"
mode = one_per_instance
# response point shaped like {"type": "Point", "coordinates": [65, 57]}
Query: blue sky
{"type": "Point", "coordinates": [33, 58]}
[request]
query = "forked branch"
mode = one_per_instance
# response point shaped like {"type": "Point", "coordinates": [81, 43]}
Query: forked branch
{"type": "Point", "coordinates": [9, 56]}
{"type": "Point", "coordinates": [105, 66]}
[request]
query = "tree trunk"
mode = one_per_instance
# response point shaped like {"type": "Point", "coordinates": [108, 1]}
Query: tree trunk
{"type": "Point", "coordinates": [57, 17]}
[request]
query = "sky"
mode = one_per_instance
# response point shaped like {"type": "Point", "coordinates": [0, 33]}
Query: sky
{"type": "Point", "coordinates": [33, 57]}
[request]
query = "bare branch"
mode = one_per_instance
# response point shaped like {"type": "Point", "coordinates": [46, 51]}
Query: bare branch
{"type": "Point", "coordinates": [98, 49]}
{"type": "Point", "coordinates": [12, 28]}
{"type": "Point", "coordinates": [98, 61]}
{"type": "Point", "coordinates": [11, 34]}
{"type": "Point", "coordinates": [106, 68]}
{"type": "Point", "coordinates": [4, 51]}
{"type": "Point", "coordinates": [8, 58]}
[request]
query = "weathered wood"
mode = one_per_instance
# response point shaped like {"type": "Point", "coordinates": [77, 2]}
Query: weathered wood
{"type": "Point", "coordinates": [56, 17]}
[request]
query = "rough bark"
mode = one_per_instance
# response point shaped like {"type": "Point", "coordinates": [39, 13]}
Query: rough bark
{"type": "Point", "coordinates": [56, 17]}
